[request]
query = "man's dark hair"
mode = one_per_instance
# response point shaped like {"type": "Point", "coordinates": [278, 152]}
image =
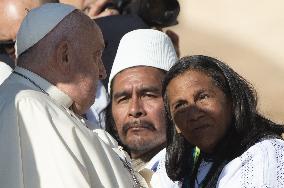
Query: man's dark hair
{"type": "Point", "coordinates": [248, 126]}
{"type": "Point", "coordinates": [110, 126]}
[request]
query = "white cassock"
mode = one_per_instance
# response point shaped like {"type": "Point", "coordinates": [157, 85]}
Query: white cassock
{"type": "Point", "coordinates": [44, 144]}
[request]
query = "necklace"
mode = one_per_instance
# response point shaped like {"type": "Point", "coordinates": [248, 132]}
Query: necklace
{"type": "Point", "coordinates": [27, 78]}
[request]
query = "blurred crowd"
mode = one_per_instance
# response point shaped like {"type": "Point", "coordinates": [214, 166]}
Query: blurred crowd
{"type": "Point", "coordinates": [94, 93]}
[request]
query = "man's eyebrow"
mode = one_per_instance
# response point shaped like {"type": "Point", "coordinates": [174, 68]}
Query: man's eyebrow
{"type": "Point", "coordinates": [153, 89]}
{"type": "Point", "coordinates": [120, 93]}
{"type": "Point", "coordinates": [143, 90]}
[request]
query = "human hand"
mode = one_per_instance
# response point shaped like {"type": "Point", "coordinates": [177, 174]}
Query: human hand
{"type": "Point", "coordinates": [95, 9]}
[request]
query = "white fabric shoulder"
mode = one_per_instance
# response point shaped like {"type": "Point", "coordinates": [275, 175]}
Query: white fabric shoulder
{"type": "Point", "coordinates": [50, 147]}
{"type": "Point", "coordinates": [153, 164]}
{"type": "Point", "coordinates": [106, 137]}
{"type": "Point", "coordinates": [5, 71]}
{"type": "Point", "coordinates": [160, 178]}
{"type": "Point", "coordinates": [110, 141]}
{"type": "Point", "coordinates": [262, 165]}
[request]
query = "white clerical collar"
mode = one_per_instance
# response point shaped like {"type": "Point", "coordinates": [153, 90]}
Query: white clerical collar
{"type": "Point", "coordinates": [5, 71]}
{"type": "Point", "coordinates": [40, 83]}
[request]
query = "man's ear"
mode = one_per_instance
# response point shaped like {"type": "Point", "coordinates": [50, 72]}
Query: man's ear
{"type": "Point", "coordinates": [63, 54]}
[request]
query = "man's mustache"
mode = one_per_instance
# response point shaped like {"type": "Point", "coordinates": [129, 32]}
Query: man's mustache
{"type": "Point", "coordinates": [137, 123]}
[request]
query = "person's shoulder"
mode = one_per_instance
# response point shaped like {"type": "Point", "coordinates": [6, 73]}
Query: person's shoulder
{"type": "Point", "coordinates": [5, 71]}
{"type": "Point", "coordinates": [32, 96]}
{"type": "Point", "coordinates": [268, 151]}
{"type": "Point", "coordinates": [39, 102]}
{"type": "Point", "coordinates": [14, 93]}
{"type": "Point", "coordinates": [5, 68]}
{"type": "Point", "coordinates": [106, 137]}
{"type": "Point", "coordinates": [270, 142]}
{"type": "Point", "coordinates": [158, 161]}
{"type": "Point", "coordinates": [267, 147]}
{"type": "Point", "coordinates": [256, 167]}
{"type": "Point", "coordinates": [264, 156]}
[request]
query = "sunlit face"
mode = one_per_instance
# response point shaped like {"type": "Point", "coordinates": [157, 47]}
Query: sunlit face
{"type": "Point", "coordinates": [87, 69]}
{"type": "Point", "coordinates": [87, 6]}
{"type": "Point", "coordinates": [200, 110]}
{"type": "Point", "coordinates": [137, 109]}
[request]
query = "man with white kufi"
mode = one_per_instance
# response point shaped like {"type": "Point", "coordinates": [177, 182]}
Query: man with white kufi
{"type": "Point", "coordinates": [136, 115]}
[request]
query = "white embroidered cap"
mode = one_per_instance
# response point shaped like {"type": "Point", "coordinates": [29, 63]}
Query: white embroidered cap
{"type": "Point", "coordinates": [39, 22]}
{"type": "Point", "coordinates": [143, 47]}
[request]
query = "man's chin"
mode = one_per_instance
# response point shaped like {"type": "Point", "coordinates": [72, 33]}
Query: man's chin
{"type": "Point", "coordinates": [138, 147]}
{"type": "Point", "coordinates": [140, 143]}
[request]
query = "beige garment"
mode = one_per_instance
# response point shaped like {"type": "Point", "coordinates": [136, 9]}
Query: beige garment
{"type": "Point", "coordinates": [148, 164]}
{"type": "Point", "coordinates": [45, 145]}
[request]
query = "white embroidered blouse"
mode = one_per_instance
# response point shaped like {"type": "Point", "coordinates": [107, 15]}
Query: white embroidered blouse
{"type": "Point", "coordinates": [262, 165]}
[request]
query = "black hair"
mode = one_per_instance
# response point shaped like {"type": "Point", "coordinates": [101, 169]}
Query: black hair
{"type": "Point", "coordinates": [111, 128]}
{"type": "Point", "coordinates": [248, 126]}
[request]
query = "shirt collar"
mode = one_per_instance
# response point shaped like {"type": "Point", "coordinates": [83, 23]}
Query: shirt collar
{"type": "Point", "coordinates": [56, 94]}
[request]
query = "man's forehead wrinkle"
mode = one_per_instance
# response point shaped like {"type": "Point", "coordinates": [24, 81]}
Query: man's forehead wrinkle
{"type": "Point", "coordinates": [120, 94]}
{"type": "Point", "coordinates": [140, 89]}
{"type": "Point", "coordinates": [123, 91]}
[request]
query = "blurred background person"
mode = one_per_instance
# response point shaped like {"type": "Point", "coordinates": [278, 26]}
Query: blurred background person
{"type": "Point", "coordinates": [92, 8]}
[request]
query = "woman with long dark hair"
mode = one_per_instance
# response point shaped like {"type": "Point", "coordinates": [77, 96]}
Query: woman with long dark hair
{"type": "Point", "coordinates": [217, 137]}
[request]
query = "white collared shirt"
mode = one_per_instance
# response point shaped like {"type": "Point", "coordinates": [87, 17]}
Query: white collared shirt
{"type": "Point", "coordinates": [44, 144]}
{"type": "Point", "coordinates": [5, 71]}
{"type": "Point", "coordinates": [96, 113]}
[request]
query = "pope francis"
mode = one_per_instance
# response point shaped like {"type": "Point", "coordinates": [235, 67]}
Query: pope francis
{"type": "Point", "coordinates": [44, 142]}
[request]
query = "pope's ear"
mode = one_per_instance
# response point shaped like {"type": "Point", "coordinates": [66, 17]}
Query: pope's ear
{"type": "Point", "coordinates": [62, 54]}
